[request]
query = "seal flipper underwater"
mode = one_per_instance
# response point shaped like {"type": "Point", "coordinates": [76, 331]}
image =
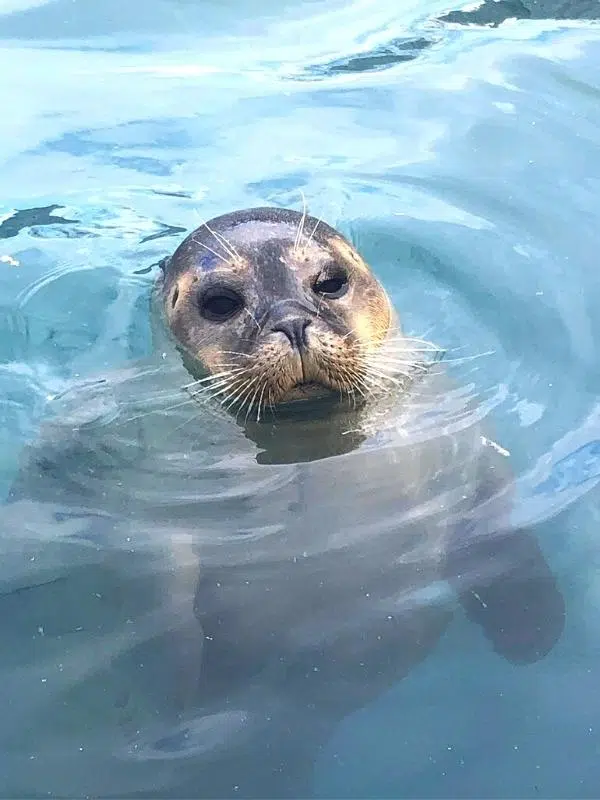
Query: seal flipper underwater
{"type": "Point", "coordinates": [500, 573]}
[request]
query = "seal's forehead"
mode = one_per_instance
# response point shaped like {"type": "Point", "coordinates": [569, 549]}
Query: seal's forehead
{"type": "Point", "coordinates": [237, 246]}
{"type": "Point", "coordinates": [257, 232]}
{"type": "Point", "coordinates": [234, 248]}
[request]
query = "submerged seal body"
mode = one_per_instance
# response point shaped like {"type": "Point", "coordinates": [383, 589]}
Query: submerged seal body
{"type": "Point", "coordinates": [271, 544]}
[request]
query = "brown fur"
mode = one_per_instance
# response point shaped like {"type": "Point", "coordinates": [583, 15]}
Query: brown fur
{"type": "Point", "coordinates": [271, 258]}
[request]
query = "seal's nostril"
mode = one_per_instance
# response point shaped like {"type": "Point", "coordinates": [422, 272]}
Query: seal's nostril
{"type": "Point", "coordinates": [295, 330]}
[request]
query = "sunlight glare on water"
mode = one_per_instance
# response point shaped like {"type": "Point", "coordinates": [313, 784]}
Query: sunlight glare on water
{"type": "Point", "coordinates": [459, 149]}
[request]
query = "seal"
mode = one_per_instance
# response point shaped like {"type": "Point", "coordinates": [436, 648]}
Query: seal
{"type": "Point", "coordinates": [277, 514]}
{"type": "Point", "coordinates": [276, 314]}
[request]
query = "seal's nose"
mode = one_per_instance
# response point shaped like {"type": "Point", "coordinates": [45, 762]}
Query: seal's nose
{"type": "Point", "coordinates": [295, 330]}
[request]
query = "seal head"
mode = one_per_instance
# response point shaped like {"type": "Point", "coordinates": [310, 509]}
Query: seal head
{"type": "Point", "coordinates": [271, 306]}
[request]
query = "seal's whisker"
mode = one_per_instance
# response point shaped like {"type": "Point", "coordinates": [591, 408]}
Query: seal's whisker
{"type": "Point", "coordinates": [354, 382]}
{"type": "Point", "coordinates": [402, 356]}
{"type": "Point", "coordinates": [387, 377]}
{"type": "Point", "coordinates": [214, 252]}
{"type": "Point", "coordinates": [346, 335]}
{"type": "Point", "coordinates": [270, 403]}
{"type": "Point", "coordinates": [314, 230]}
{"type": "Point", "coordinates": [225, 389]}
{"type": "Point", "coordinates": [252, 399]}
{"type": "Point", "coordinates": [370, 382]}
{"type": "Point", "coordinates": [391, 358]}
{"type": "Point", "coordinates": [236, 353]}
{"type": "Point", "coordinates": [225, 245]}
{"type": "Point", "coordinates": [356, 385]}
{"type": "Point", "coordinates": [319, 307]}
{"type": "Point", "coordinates": [208, 378]}
{"type": "Point", "coordinates": [232, 367]}
{"type": "Point", "coordinates": [241, 393]}
{"type": "Point", "coordinates": [300, 230]}
{"type": "Point", "coordinates": [348, 390]}
{"type": "Point", "coordinates": [411, 345]}
{"type": "Point", "coordinates": [235, 373]}
{"type": "Point", "coordinates": [393, 363]}
{"type": "Point", "coordinates": [229, 391]}
{"type": "Point", "coordinates": [468, 358]}
{"type": "Point", "coordinates": [258, 399]}
{"type": "Point", "coordinates": [399, 374]}
{"type": "Point", "coordinates": [420, 345]}
{"type": "Point", "coordinates": [261, 399]}
{"type": "Point", "coordinates": [210, 390]}
{"type": "Point", "coordinates": [253, 318]}
{"type": "Point", "coordinates": [407, 352]}
{"type": "Point", "coordinates": [157, 411]}
{"type": "Point", "coordinates": [207, 387]}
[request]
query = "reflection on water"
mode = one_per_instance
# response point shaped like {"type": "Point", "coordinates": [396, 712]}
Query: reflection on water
{"type": "Point", "coordinates": [378, 58]}
{"type": "Point", "coordinates": [30, 218]}
{"type": "Point", "coordinates": [498, 11]}
{"type": "Point", "coordinates": [458, 151]}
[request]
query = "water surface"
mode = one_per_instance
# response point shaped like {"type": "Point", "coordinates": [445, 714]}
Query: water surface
{"type": "Point", "coordinates": [460, 151]}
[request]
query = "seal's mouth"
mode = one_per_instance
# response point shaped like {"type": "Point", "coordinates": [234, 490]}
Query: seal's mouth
{"type": "Point", "coordinates": [306, 390]}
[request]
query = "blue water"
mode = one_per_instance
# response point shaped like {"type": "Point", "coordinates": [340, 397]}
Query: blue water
{"type": "Point", "coordinates": [461, 153]}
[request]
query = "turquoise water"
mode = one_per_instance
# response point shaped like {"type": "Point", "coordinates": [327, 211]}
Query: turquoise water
{"type": "Point", "coordinates": [461, 153]}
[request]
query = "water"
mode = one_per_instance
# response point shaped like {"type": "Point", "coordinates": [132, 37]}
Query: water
{"type": "Point", "coordinates": [459, 149]}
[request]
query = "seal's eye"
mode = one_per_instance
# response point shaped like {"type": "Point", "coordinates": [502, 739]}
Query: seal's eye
{"type": "Point", "coordinates": [219, 304]}
{"type": "Point", "coordinates": [332, 286]}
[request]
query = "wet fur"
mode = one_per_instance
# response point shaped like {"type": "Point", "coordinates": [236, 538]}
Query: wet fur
{"type": "Point", "coordinates": [272, 257]}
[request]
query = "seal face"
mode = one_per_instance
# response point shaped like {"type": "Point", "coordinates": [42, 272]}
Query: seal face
{"type": "Point", "coordinates": [273, 306]}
